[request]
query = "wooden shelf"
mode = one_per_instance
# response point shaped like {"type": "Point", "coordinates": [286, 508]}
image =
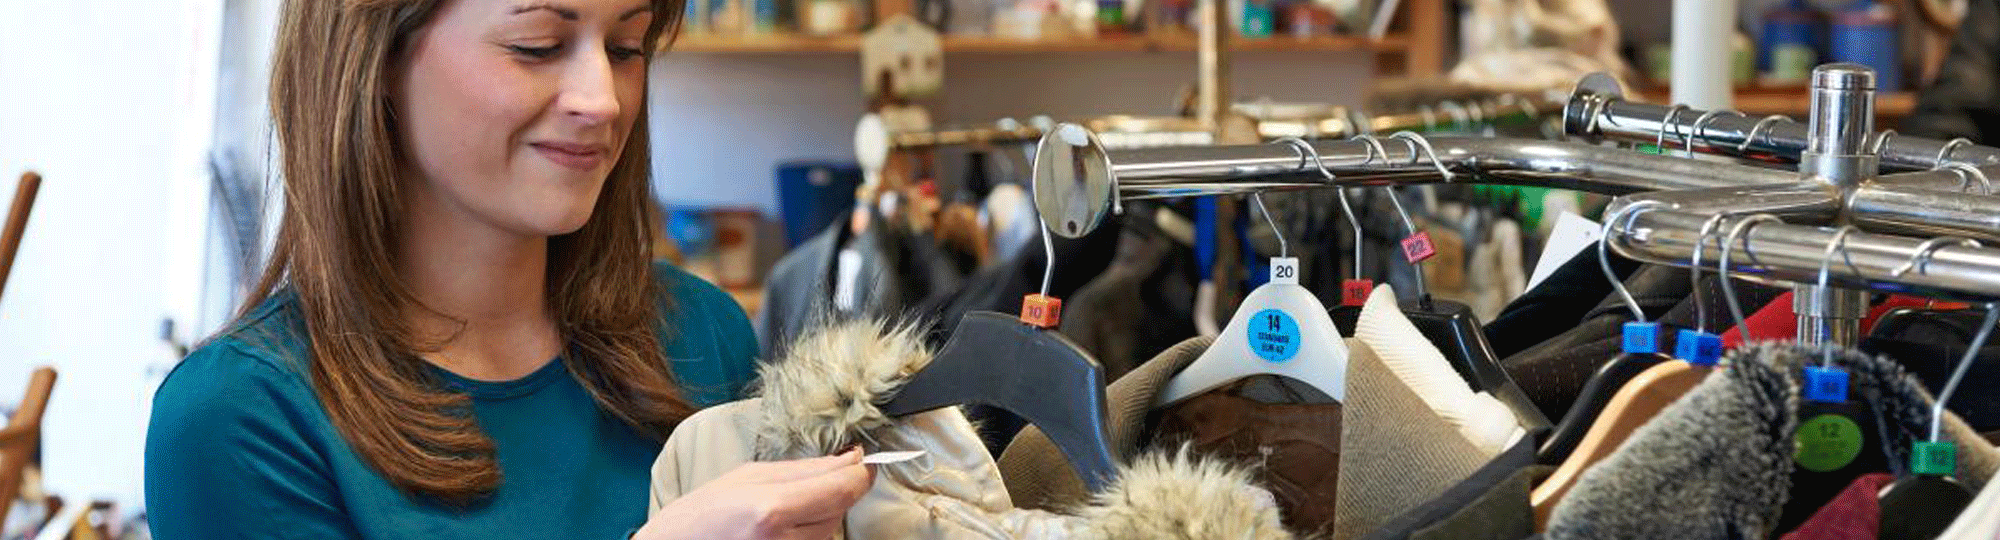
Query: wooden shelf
{"type": "Point", "coordinates": [1795, 102]}
{"type": "Point", "coordinates": [774, 44]}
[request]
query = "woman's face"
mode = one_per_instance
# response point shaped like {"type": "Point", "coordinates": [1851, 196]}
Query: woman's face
{"type": "Point", "coordinates": [512, 112]}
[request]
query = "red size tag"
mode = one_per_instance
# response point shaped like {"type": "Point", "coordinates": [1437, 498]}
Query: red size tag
{"type": "Point", "coordinates": [1417, 248]}
{"type": "Point", "coordinates": [1041, 311]}
{"type": "Point", "coordinates": [1354, 292]}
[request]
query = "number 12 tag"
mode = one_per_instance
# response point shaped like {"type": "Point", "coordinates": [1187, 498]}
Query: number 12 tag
{"type": "Point", "coordinates": [1285, 270]}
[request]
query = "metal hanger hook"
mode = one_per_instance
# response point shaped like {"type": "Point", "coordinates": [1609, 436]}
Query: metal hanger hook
{"type": "Point", "coordinates": [1694, 270]}
{"type": "Point", "coordinates": [1759, 127]}
{"type": "Point", "coordinates": [1604, 258]}
{"type": "Point", "coordinates": [1824, 291]}
{"type": "Point", "coordinates": [1951, 146]}
{"type": "Point", "coordinates": [1880, 139]}
{"type": "Point", "coordinates": [1284, 250]}
{"type": "Point", "coordinates": [1305, 150]}
{"type": "Point", "coordinates": [1049, 250]}
{"type": "Point", "coordinates": [1966, 173]}
{"type": "Point", "coordinates": [1415, 141]}
{"type": "Point", "coordinates": [1375, 150]}
{"type": "Point", "coordinates": [1728, 244]}
{"type": "Point", "coordinates": [1921, 262]}
{"type": "Point", "coordinates": [1672, 117]}
{"type": "Point", "coordinates": [1700, 128]}
{"type": "Point", "coordinates": [1964, 363]}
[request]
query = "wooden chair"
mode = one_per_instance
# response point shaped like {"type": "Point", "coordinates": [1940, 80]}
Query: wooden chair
{"type": "Point", "coordinates": [17, 222]}
{"type": "Point", "coordinates": [22, 437]}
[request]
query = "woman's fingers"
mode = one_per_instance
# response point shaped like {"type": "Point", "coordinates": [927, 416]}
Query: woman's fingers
{"type": "Point", "coordinates": [817, 531]}
{"type": "Point", "coordinates": [786, 471]}
{"type": "Point", "coordinates": [809, 467]}
{"type": "Point", "coordinates": [825, 497]}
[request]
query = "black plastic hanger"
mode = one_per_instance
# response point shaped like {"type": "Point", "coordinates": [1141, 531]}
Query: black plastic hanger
{"type": "Point", "coordinates": [998, 360]}
{"type": "Point", "coordinates": [1825, 426]}
{"type": "Point", "coordinates": [1922, 503]}
{"type": "Point", "coordinates": [995, 359]}
{"type": "Point", "coordinates": [1451, 326]}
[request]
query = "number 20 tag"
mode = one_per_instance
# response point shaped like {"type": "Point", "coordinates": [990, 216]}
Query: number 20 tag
{"type": "Point", "coordinates": [1285, 270]}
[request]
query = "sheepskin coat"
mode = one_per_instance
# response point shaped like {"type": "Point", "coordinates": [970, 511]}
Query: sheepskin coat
{"type": "Point", "coordinates": [823, 396]}
{"type": "Point", "coordinates": [1717, 463]}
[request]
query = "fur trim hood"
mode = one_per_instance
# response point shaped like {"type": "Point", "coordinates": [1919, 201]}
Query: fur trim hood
{"type": "Point", "coordinates": [823, 394]}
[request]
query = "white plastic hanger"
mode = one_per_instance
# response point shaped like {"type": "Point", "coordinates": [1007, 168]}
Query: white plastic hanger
{"type": "Point", "coordinates": [1281, 328]}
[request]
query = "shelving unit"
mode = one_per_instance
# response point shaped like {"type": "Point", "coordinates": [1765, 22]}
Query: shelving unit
{"type": "Point", "coordinates": [1414, 45]}
{"type": "Point", "coordinates": [779, 44]}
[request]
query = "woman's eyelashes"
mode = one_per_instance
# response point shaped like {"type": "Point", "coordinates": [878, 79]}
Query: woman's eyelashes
{"type": "Point", "coordinates": [617, 53]}
{"type": "Point", "coordinates": [534, 52]}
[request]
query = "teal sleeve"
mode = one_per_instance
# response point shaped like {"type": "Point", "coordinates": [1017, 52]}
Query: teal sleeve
{"type": "Point", "coordinates": [709, 339]}
{"type": "Point", "coordinates": [231, 453]}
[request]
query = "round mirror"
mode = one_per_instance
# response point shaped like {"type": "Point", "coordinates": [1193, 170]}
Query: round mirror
{"type": "Point", "coordinates": [1074, 189]}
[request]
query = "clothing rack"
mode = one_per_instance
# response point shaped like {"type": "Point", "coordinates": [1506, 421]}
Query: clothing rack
{"type": "Point", "coordinates": [1669, 207]}
{"type": "Point", "coordinates": [1339, 122]}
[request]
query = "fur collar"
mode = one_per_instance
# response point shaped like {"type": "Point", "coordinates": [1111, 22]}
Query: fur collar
{"type": "Point", "coordinates": [822, 396]}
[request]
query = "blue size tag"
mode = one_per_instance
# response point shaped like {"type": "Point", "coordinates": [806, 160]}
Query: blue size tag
{"type": "Point", "coordinates": [1698, 348]}
{"type": "Point", "coordinates": [1826, 385]}
{"type": "Point", "coordinates": [1642, 338]}
{"type": "Point", "coordinates": [1274, 336]}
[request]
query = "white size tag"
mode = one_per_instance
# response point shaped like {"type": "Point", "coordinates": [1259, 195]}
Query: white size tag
{"type": "Point", "coordinates": [1285, 270]}
{"type": "Point", "coordinates": [1572, 235]}
{"type": "Point", "coordinates": [885, 458]}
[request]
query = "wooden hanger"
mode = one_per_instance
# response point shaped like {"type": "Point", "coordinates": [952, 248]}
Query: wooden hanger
{"type": "Point", "coordinates": [1635, 404]}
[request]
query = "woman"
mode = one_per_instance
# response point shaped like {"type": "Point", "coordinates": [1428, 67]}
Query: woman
{"type": "Point", "coordinates": [460, 334]}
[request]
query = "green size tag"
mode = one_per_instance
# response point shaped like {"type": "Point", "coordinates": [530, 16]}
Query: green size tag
{"type": "Point", "coordinates": [1934, 458]}
{"type": "Point", "coordinates": [1827, 443]}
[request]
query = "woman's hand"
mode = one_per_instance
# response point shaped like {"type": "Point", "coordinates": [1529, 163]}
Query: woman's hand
{"type": "Point", "coordinates": [784, 500]}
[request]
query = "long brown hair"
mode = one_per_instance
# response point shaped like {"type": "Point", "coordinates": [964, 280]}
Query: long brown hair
{"type": "Point", "coordinates": [336, 131]}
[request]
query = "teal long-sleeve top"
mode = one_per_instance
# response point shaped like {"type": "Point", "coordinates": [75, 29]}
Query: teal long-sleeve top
{"type": "Point", "coordinates": [239, 446]}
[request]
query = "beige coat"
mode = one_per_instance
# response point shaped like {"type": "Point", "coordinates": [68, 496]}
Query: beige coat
{"type": "Point", "coordinates": [822, 398]}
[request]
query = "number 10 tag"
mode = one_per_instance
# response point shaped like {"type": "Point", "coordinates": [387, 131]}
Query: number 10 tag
{"type": "Point", "coordinates": [1285, 270]}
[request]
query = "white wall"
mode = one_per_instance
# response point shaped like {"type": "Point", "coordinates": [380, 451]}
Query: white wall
{"type": "Point", "coordinates": [111, 101]}
{"type": "Point", "coordinates": [722, 123]}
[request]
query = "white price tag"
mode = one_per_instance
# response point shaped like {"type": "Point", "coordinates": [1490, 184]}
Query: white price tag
{"type": "Point", "coordinates": [885, 458]}
{"type": "Point", "coordinates": [1285, 270]}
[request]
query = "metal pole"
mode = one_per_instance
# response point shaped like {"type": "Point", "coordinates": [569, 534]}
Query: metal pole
{"type": "Point", "coordinates": [1836, 156]}
{"type": "Point", "coordinates": [1598, 110]}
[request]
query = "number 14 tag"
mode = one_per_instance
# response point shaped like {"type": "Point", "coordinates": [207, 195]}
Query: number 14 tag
{"type": "Point", "coordinates": [1285, 270]}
